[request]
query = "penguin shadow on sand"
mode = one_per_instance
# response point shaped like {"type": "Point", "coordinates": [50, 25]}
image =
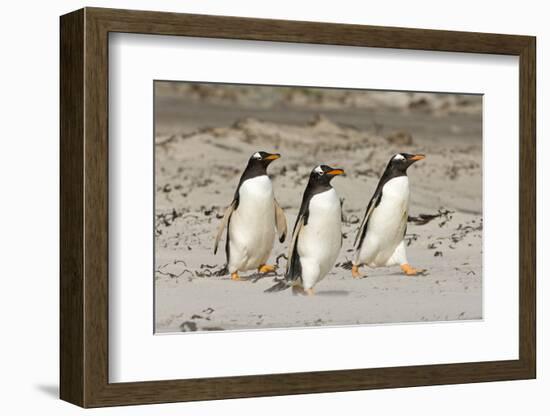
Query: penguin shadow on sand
{"type": "Point", "coordinates": [333, 293]}
{"type": "Point", "coordinates": [256, 277]}
{"type": "Point", "coordinates": [253, 277]}
{"type": "Point", "coordinates": [419, 273]}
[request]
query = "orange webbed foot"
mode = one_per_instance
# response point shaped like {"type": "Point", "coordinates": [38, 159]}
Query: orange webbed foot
{"type": "Point", "coordinates": [409, 270]}
{"type": "Point", "coordinates": [355, 272]}
{"type": "Point", "coordinates": [266, 268]}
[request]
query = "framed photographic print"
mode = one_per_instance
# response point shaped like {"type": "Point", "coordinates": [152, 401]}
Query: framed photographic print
{"type": "Point", "coordinates": [256, 207]}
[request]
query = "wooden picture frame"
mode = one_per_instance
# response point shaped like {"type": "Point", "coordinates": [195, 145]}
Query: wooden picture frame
{"type": "Point", "coordinates": [84, 207]}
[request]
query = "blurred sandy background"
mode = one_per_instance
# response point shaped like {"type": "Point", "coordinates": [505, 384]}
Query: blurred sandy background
{"type": "Point", "coordinates": [204, 135]}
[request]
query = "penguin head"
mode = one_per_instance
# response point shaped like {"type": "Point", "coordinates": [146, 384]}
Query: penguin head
{"type": "Point", "coordinates": [262, 158]}
{"type": "Point", "coordinates": [323, 174]}
{"type": "Point", "coordinates": [400, 162]}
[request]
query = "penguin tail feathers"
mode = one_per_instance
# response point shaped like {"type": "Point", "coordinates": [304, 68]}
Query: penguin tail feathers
{"type": "Point", "coordinates": [279, 286]}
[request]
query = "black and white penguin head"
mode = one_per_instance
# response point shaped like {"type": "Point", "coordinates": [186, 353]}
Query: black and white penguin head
{"type": "Point", "coordinates": [259, 161]}
{"type": "Point", "coordinates": [323, 174]}
{"type": "Point", "coordinates": [400, 162]}
{"type": "Point", "coordinates": [263, 158]}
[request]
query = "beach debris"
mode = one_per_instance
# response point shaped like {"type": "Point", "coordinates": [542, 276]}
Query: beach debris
{"type": "Point", "coordinates": [279, 257]}
{"type": "Point", "coordinates": [191, 325]}
{"type": "Point", "coordinates": [423, 219]}
{"type": "Point", "coordinates": [347, 265]}
{"type": "Point", "coordinates": [464, 230]}
{"type": "Point", "coordinates": [174, 270]}
{"type": "Point", "coordinates": [167, 218]}
{"type": "Point", "coordinates": [188, 326]}
{"type": "Point", "coordinates": [222, 271]}
{"type": "Point", "coordinates": [203, 273]}
{"type": "Point", "coordinates": [410, 238]}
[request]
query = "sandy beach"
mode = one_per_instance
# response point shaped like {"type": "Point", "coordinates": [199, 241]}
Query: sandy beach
{"type": "Point", "coordinates": [203, 139]}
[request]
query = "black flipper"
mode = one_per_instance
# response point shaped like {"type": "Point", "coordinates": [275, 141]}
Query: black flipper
{"type": "Point", "coordinates": [362, 232]}
{"type": "Point", "coordinates": [225, 224]}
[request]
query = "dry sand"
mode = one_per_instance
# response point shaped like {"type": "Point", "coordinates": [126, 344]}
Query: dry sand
{"type": "Point", "coordinates": [203, 142]}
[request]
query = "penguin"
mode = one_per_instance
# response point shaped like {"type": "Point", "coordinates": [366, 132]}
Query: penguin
{"type": "Point", "coordinates": [380, 239]}
{"type": "Point", "coordinates": [317, 234]}
{"type": "Point", "coordinates": [251, 219]}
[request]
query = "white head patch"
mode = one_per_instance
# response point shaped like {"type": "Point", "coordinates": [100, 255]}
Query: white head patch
{"type": "Point", "coordinates": [398, 157]}
{"type": "Point", "coordinates": [319, 170]}
{"type": "Point", "coordinates": [257, 155]}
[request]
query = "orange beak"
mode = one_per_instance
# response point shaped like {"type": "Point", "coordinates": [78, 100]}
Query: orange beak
{"type": "Point", "coordinates": [418, 157]}
{"type": "Point", "coordinates": [336, 172]}
{"type": "Point", "coordinates": [273, 156]}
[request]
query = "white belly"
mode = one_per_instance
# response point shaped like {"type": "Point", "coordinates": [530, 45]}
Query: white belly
{"type": "Point", "coordinates": [386, 225]}
{"type": "Point", "coordinates": [320, 240]}
{"type": "Point", "coordinates": [252, 225]}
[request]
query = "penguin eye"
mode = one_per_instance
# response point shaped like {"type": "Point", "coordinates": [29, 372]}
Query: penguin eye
{"type": "Point", "coordinates": [319, 170]}
{"type": "Point", "coordinates": [257, 156]}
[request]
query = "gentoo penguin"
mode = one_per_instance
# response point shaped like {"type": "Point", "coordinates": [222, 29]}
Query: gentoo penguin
{"type": "Point", "coordinates": [317, 235]}
{"type": "Point", "coordinates": [380, 239]}
{"type": "Point", "coordinates": [251, 219]}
